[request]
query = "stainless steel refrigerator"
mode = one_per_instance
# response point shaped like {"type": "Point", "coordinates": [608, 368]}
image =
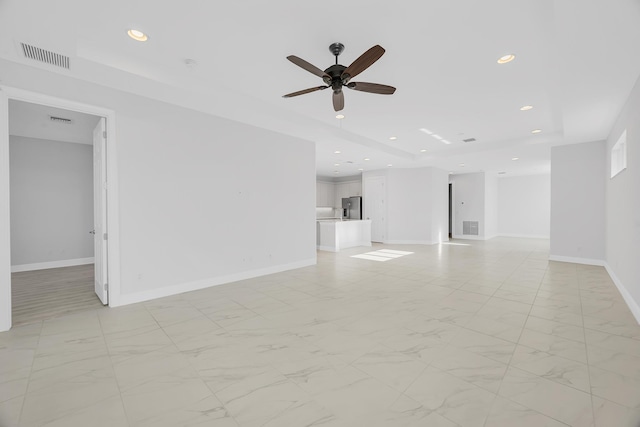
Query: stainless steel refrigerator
{"type": "Point", "coordinates": [352, 207]}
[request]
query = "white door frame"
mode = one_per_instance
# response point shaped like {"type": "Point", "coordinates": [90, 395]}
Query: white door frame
{"type": "Point", "coordinates": [113, 251]}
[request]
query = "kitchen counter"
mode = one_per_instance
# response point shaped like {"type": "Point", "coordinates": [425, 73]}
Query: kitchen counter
{"type": "Point", "coordinates": [334, 235]}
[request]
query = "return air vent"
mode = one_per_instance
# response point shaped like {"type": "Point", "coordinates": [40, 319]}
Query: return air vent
{"type": "Point", "coordinates": [469, 140]}
{"type": "Point", "coordinates": [46, 56]}
{"type": "Point", "coordinates": [470, 228]}
{"type": "Point", "coordinates": [60, 120]}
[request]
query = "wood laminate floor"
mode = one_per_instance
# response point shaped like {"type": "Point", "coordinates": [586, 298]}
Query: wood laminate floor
{"type": "Point", "coordinates": [47, 294]}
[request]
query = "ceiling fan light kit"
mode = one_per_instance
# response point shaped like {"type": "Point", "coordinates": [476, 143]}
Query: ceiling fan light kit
{"type": "Point", "coordinates": [338, 76]}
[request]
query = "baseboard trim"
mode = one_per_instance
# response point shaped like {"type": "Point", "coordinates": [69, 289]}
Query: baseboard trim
{"type": "Point", "coordinates": [126, 299]}
{"type": "Point", "coordinates": [525, 236]}
{"type": "Point", "coordinates": [574, 260]}
{"type": "Point", "coordinates": [631, 303]}
{"type": "Point", "coordinates": [333, 249]}
{"type": "Point", "coordinates": [52, 264]}
{"type": "Point", "coordinates": [468, 237]}
{"type": "Point", "coordinates": [409, 242]}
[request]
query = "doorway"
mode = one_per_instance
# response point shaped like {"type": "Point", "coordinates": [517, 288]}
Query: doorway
{"type": "Point", "coordinates": [450, 210]}
{"type": "Point", "coordinates": [8, 93]}
{"type": "Point", "coordinates": [55, 157]}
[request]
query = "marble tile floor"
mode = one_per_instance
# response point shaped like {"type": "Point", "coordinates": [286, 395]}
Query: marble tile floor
{"type": "Point", "coordinates": [474, 334]}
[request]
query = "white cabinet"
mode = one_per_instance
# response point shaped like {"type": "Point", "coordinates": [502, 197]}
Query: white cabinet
{"type": "Point", "coordinates": [325, 193]}
{"type": "Point", "coordinates": [355, 188]}
{"type": "Point", "coordinates": [347, 189]}
{"type": "Point", "coordinates": [331, 194]}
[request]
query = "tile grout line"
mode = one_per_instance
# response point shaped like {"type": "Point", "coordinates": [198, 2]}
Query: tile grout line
{"type": "Point", "coordinates": [115, 378]}
{"type": "Point", "coordinates": [586, 347]}
{"type": "Point", "coordinates": [516, 346]}
{"type": "Point", "coordinates": [35, 352]}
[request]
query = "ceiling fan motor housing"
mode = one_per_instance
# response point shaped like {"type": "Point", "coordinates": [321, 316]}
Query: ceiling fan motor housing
{"type": "Point", "coordinates": [335, 72]}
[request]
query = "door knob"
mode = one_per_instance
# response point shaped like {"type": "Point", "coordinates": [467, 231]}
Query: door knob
{"type": "Point", "coordinates": [92, 232]}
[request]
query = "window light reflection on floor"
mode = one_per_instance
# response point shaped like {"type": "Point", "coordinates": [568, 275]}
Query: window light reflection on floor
{"type": "Point", "coordinates": [382, 255]}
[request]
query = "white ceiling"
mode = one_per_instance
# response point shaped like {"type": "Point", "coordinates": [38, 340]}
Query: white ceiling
{"type": "Point", "coordinates": [576, 64]}
{"type": "Point", "coordinates": [34, 121]}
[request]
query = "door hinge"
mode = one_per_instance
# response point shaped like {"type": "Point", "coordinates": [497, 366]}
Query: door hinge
{"type": "Point", "coordinates": [106, 286]}
{"type": "Point", "coordinates": [104, 236]}
{"type": "Point", "coordinates": [104, 134]}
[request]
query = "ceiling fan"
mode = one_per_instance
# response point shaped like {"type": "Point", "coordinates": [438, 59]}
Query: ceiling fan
{"type": "Point", "coordinates": [338, 76]}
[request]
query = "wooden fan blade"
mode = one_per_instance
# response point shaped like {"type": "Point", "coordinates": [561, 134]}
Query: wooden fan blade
{"type": "Point", "coordinates": [302, 92]}
{"type": "Point", "coordinates": [363, 62]}
{"type": "Point", "coordinates": [338, 100]}
{"type": "Point", "coordinates": [372, 88]}
{"type": "Point", "coordinates": [309, 67]}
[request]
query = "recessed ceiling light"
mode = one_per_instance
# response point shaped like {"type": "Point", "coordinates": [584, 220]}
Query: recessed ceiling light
{"type": "Point", "coordinates": [427, 131]}
{"type": "Point", "coordinates": [393, 138]}
{"type": "Point", "coordinates": [389, 165]}
{"type": "Point", "coordinates": [366, 159]}
{"type": "Point", "coordinates": [360, 169]}
{"type": "Point", "coordinates": [536, 131]}
{"type": "Point", "coordinates": [336, 164]}
{"type": "Point", "coordinates": [190, 63]}
{"type": "Point", "coordinates": [137, 35]}
{"type": "Point", "coordinates": [436, 136]}
{"type": "Point", "coordinates": [506, 58]}
{"type": "Point", "coordinates": [340, 116]}
{"type": "Point", "coordinates": [445, 141]}
{"type": "Point", "coordinates": [336, 172]}
{"type": "Point", "coordinates": [526, 107]}
{"type": "Point", "coordinates": [515, 158]}
{"type": "Point", "coordinates": [337, 152]}
{"type": "Point", "coordinates": [461, 165]}
{"type": "Point", "coordinates": [424, 150]}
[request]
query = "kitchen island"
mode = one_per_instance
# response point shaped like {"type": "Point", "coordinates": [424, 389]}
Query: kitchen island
{"type": "Point", "coordinates": [333, 234]}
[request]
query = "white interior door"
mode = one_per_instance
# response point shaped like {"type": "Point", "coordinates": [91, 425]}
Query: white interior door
{"type": "Point", "coordinates": [100, 211]}
{"type": "Point", "coordinates": [375, 208]}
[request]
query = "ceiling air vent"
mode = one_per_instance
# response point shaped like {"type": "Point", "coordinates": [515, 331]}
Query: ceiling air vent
{"type": "Point", "coordinates": [46, 56]}
{"type": "Point", "coordinates": [469, 140]}
{"type": "Point", "coordinates": [60, 120]}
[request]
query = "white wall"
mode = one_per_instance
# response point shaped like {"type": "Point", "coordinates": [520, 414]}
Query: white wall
{"type": "Point", "coordinates": [468, 203]}
{"type": "Point", "coordinates": [5, 229]}
{"type": "Point", "coordinates": [623, 206]}
{"type": "Point", "coordinates": [409, 205]}
{"type": "Point", "coordinates": [490, 206]}
{"type": "Point", "coordinates": [578, 203]}
{"type": "Point", "coordinates": [51, 202]}
{"type": "Point", "coordinates": [202, 200]}
{"type": "Point", "coordinates": [439, 205]}
{"type": "Point", "coordinates": [417, 203]}
{"type": "Point", "coordinates": [524, 206]}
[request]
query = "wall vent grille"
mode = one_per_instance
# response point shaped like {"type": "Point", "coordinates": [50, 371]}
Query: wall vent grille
{"type": "Point", "coordinates": [60, 120]}
{"type": "Point", "coordinates": [46, 56]}
{"type": "Point", "coordinates": [469, 140]}
{"type": "Point", "coordinates": [470, 228]}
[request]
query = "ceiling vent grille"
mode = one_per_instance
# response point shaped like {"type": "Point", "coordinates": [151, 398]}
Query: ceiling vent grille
{"type": "Point", "coordinates": [46, 56]}
{"type": "Point", "coordinates": [60, 120]}
{"type": "Point", "coordinates": [469, 140]}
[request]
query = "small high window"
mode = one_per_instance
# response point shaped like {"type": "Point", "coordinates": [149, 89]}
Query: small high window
{"type": "Point", "coordinates": [619, 155]}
